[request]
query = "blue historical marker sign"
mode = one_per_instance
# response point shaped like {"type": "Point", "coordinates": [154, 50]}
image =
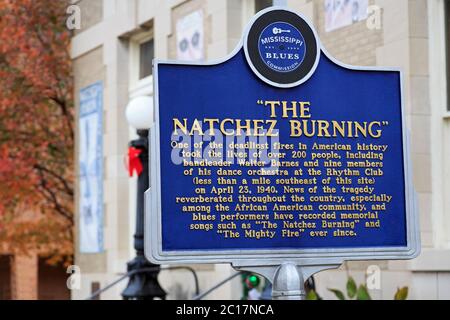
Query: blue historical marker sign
{"type": "Point", "coordinates": [279, 151]}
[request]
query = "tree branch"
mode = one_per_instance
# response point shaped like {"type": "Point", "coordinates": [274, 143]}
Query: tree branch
{"type": "Point", "coordinates": [69, 190]}
{"type": "Point", "coordinates": [50, 196]}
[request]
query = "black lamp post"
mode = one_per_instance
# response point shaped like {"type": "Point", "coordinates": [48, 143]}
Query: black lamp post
{"type": "Point", "coordinates": [142, 285]}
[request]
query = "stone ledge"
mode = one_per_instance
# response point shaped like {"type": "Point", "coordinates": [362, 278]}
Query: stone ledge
{"type": "Point", "coordinates": [431, 260]}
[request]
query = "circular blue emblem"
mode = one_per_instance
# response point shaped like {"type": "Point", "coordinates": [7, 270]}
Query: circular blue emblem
{"type": "Point", "coordinates": [282, 47]}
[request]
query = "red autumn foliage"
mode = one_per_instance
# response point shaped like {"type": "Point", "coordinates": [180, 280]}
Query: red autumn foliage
{"type": "Point", "coordinates": [36, 129]}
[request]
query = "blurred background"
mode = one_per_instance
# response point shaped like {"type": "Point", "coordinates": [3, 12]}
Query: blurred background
{"type": "Point", "coordinates": [68, 71]}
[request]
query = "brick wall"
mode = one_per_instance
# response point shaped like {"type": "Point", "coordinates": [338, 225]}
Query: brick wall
{"type": "Point", "coordinates": [24, 277]}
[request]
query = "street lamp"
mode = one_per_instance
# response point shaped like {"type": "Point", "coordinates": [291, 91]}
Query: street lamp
{"type": "Point", "coordinates": [142, 285]}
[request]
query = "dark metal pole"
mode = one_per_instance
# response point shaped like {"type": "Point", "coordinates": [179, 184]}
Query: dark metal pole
{"type": "Point", "coordinates": [143, 285]}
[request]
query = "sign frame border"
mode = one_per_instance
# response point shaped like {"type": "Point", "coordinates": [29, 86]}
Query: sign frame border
{"type": "Point", "coordinates": [153, 227]}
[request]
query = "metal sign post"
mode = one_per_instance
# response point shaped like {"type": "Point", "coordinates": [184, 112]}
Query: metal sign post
{"type": "Point", "coordinates": [279, 159]}
{"type": "Point", "coordinates": [288, 283]}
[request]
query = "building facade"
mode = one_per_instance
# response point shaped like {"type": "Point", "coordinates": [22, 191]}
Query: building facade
{"type": "Point", "coordinates": [29, 277]}
{"type": "Point", "coordinates": [115, 46]}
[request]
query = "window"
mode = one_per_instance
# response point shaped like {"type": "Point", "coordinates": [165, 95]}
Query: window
{"type": "Point", "coordinates": [447, 31]}
{"type": "Point", "coordinates": [146, 55]}
{"type": "Point", "coordinates": [262, 4]}
{"type": "Point", "coordinates": [141, 53]}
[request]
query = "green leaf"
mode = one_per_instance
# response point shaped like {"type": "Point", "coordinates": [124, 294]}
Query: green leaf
{"type": "Point", "coordinates": [401, 294]}
{"type": "Point", "coordinates": [338, 294]}
{"type": "Point", "coordinates": [312, 295]}
{"type": "Point", "coordinates": [362, 293]}
{"type": "Point", "coordinates": [351, 288]}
